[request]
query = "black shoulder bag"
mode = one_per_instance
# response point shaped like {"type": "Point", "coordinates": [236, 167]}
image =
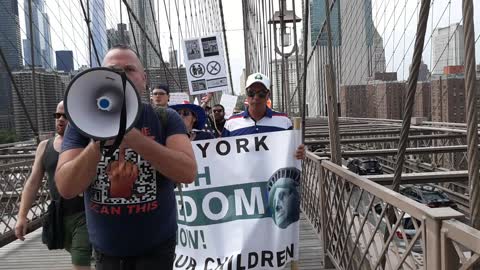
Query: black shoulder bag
{"type": "Point", "coordinates": [52, 227]}
{"type": "Point", "coordinates": [52, 224]}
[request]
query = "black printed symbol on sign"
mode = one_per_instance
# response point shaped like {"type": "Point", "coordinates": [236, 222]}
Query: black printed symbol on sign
{"type": "Point", "coordinates": [213, 67]}
{"type": "Point", "coordinates": [197, 70]}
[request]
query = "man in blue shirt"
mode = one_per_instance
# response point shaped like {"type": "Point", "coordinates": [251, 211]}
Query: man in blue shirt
{"type": "Point", "coordinates": [258, 118]}
{"type": "Point", "coordinates": [129, 200]}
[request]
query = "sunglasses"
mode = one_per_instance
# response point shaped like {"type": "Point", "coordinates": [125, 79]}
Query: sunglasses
{"type": "Point", "coordinates": [159, 94]}
{"type": "Point", "coordinates": [185, 113]}
{"type": "Point", "coordinates": [58, 115]}
{"type": "Point", "coordinates": [260, 94]}
{"type": "Point", "coordinates": [217, 111]}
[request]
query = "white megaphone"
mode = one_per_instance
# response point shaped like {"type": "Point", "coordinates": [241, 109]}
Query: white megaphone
{"type": "Point", "coordinates": [94, 99]}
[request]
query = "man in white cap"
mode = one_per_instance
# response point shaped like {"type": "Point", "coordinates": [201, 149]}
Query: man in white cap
{"type": "Point", "coordinates": [258, 118]}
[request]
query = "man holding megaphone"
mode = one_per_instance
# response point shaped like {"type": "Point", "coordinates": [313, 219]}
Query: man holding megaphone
{"type": "Point", "coordinates": [129, 198]}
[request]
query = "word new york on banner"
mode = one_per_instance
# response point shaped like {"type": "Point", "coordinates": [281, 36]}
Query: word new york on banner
{"type": "Point", "coordinates": [242, 211]}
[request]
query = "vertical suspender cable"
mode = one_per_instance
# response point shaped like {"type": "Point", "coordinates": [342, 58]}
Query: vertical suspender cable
{"type": "Point", "coordinates": [297, 65]}
{"type": "Point", "coordinates": [412, 86]}
{"type": "Point", "coordinates": [87, 21]}
{"type": "Point", "coordinates": [220, 6]}
{"type": "Point", "coordinates": [245, 35]}
{"type": "Point", "coordinates": [472, 128]}
{"type": "Point", "coordinates": [32, 62]}
{"type": "Point", "coordinates": [305, 52]}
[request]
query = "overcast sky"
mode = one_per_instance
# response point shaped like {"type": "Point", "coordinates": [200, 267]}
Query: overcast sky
{"type": "Point", "coordinates": [397, 24]}
{"type": "Point", "coordinates": [395, 20]}
{"type": "Point", "coordinates": [69, 32]}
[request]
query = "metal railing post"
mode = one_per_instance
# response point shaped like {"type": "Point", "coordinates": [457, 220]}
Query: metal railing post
{"type": "Point", "coordinates": [433, 237]}
{"type": "Point", "coordinates": [448, 254]}
{"type": "Point", "coordinates": [432, 252]}
{"type": "Point", "coordinates": [323, 219]}
{"type": "Point", "coordinates": [297, 125]}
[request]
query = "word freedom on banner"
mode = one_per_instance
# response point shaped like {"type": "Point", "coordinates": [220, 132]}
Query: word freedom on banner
{"type": "Point", "coordinates": [242, 211]}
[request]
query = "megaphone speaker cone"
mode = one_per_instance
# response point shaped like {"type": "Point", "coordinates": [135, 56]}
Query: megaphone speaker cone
{"type": "Point", "coordinates": [93, 103]}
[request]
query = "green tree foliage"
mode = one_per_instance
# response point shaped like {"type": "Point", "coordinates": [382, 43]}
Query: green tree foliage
{"type": "Point", "coordinates": [7, 136]}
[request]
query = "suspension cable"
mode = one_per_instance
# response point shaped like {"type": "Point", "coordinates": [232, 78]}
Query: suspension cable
{"type": "Point", "coordinates": [130, 11]}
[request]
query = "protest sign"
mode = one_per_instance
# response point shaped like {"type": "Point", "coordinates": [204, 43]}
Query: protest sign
{"type": "Point", "coordinates": [242, 211]}
{"type": "Point", "coordinates": [177, 98]}
{"type": "Point", "coordinates": [228, 102]}
{"type": "Point", "coordinates": [205, 64]}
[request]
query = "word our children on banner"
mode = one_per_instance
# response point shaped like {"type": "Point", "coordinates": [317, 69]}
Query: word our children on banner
{"type": "Point", "coordinates": [242, 211]}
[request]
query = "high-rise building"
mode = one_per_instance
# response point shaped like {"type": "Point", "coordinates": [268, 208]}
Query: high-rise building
{"type": "Point", "coordinates": [389, 99]}
{"type": "Point", "coordinates": [362, 45]}
{"type": "Point", "coordinates": [448, 47]}
{"type": "Point", "coordinates": [143, 12]}
{"type": "Point", "coordinates": [175, 78]}
{"type": "Point", "coordinates": [354, 100]}
{"type": "Point", "coordinates": [276, 92]}
{"type": "Point", "coordinates": [172, 57]}
{"type": "Point", "coordinates": [448, 99]}
{"type": "Point", "coordinates": [99, 32]}
{"type": "Point", "coordinates": [118, 36]}
{"type": "Point", "coordinates": [317, 17]}
{"type": "Point", "coordinates": [423, 72]}
{"type": "Point", "coordinates": [11, 46]}
{"type": "Point", "coordinates": [423, 100]}
{"type": "Point", "coordinates": [243, 81]}
{"type": "Point", "coordinates": [357, 53]}
{"type": "Point", "coordinates": [50, 88]}
{"type": "Point", "coordinates": [43, 53]}
{"type": "Point", "coordinates": [64, 60]}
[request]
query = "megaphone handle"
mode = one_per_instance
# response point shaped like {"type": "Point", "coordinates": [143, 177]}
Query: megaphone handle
{"type": "Point", "coordinates": [123, 121]}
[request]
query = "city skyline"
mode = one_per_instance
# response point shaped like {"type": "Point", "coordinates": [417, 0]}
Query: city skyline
{"type": "Point", "coordinates": [147, 21]}
{"type": "Point", "coordinates": [43, 51]}
{"type": "Point", "coordinates": [99, 32]}
{"type": "Point", "coordinates": [10, 42]}
{"type": "Point", "coordinates": [448, 47]}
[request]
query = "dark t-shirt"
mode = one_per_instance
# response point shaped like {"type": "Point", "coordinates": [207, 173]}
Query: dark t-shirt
{"type": "Point", "coordinates": [132, 217]}
{"type": "Point", "coordinates": [203, 135]}
{"type": "Point", "coordinates": [50, 159]}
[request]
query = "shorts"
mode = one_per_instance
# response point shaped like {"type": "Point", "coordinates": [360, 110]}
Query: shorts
{"type": "Point", "coordinates": [76, 239]}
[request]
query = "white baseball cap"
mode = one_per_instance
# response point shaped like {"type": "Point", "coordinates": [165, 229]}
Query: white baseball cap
{"type": "Point", "coordinates": [258, 78]}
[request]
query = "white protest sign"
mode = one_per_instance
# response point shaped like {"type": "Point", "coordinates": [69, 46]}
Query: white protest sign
{"type": "Point", "coordinates": [205, 64]}
{"type": "Point", "coordinates": [177, 98]}
{"type": "Point", "coordinates": [242, 211]}
{"type": "Point", "coordinates": [228, 102]}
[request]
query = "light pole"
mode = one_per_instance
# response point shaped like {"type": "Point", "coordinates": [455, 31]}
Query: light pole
{"type": "Point", "coordinates": [282, 18]}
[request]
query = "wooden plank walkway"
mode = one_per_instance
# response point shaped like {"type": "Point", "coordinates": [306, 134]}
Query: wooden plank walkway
{"type": "Point", "coordinates": [32, 254]}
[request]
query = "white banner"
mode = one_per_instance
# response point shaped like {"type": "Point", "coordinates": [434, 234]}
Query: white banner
{"type": "Point", "coordinates": [242, 212]}
{"type": "Point", "coordinates": [228, 102]}
{"type": "Point", "coordinates": [205, 64]}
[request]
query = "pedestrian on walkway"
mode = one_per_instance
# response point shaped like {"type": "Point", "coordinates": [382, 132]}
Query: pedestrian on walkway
{"type": "Point", "coordinates": [194, 118]}
{"type": "Point", "coordinates": [131, 213]}
{"type": "Point", "coordinates": [75, 233]}
{"type": "Point", "coordinates": [160, 96]}
{"type": "Point", "coordinates": [258, 117]}
{"type": "Point", "coordinates": [218, 119]}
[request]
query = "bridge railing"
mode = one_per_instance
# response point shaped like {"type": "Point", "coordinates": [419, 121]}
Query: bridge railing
{"type": "Point", "coordinates": [364, 225]}
{"type": "Point", "coordinates": [12, 179]}
{"type": "Point", "coordinates": [460, 247]}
